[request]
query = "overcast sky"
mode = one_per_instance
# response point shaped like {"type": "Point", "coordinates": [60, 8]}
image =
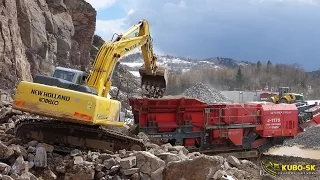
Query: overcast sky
{"type": "Point", "coordinates": [283, 31]}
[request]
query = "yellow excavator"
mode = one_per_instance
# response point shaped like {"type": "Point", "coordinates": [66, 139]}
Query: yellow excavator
{"type": "Point", "coordinates": [72, 108]}
{"type": "Point", "coordinates": [285, 96]}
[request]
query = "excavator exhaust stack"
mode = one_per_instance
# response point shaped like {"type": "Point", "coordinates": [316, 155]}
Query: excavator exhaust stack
{"type": "Point", "coordinates": [153, 85]}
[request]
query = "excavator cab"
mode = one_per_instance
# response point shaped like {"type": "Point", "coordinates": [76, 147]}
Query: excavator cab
{"type": "Point", "coordinates": [66, 78]}
{"type": "Point", "coordinates": [71, 75]}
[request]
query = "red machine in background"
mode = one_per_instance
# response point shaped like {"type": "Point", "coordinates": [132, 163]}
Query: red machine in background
{"type": "Point", "coordinates": [242, 129]}
{"type": "Point", "coordinates": [266, 96]}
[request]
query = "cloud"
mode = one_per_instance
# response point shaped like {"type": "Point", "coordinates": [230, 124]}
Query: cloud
{"type": "Point", "coordinates": [131, 11]}
{"type": "Point", "coordinates": [278, 30]}
{"type": "Point", "coordinates": [107, 28]}
{"type": "Point", "coordinates": [101, 4]}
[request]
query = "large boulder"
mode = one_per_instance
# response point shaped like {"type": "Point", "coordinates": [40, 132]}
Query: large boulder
{"type": "Point", "coordinates": [169, 157]}
{"type": "Point", "coordinates": [150, 164]}
{"type": "Point", "coordinates": [80, 171]}
{"type": "Point", "coordinates": [202, 167]}
{"type": "Point", "coordinates": [40, 159]}
{"type": "Point", "coordinates": [5, 151]}
{"type": "Point", "coordinates": [20, 166]}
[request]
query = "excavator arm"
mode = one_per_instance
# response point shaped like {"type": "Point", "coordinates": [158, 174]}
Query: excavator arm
{"type": "Point", "coordinates": [153, 78]}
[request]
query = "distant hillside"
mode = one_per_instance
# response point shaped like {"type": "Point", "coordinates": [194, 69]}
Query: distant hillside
{"type": "Point", "coordinates": [180, 64]}
{"type": "Point", "coordinates": [229, 74]}
{"type": "Point", "coordinates": [228, 62]}
{"type": "Point", "coordinates": [315, 74]}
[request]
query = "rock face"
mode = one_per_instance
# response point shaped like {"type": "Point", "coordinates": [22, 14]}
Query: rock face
{"type": "Point", "coordinates": [13, 61]}
{"type": "Point", "coordinates": [38, 35]}
{"type": "Point", "coordinates": [96, 44]}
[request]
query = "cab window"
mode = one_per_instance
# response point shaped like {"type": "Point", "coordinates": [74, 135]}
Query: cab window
{"type": "Point", "coordinates": [68, 76]}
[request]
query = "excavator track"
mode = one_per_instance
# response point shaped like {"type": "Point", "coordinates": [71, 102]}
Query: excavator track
{"type": "Point", "coordinates": [65, 136]}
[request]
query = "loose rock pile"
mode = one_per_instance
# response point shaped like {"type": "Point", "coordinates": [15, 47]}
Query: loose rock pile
{"type": "Point", "coordinates": [38, 161]}
{"type": "Point", "coordinates": [308, 139]}
{"type": "Point", "coordinates": [206, 93]}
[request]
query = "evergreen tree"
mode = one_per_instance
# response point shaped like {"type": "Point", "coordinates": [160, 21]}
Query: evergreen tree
{"type": "Point", "coordinates": [304, 81]}
{"type": "Point", "coordinates": [239, 78]}
{"type": "Point", "coordinates": [269, 66]}
{"type": "Point", "coordinates": [258, 67]}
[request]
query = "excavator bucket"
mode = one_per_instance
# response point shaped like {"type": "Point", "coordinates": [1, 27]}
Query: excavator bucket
{"type": "Point", "coordinates": [153, 86]}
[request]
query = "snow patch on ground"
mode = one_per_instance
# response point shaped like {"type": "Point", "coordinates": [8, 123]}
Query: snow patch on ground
{"type": "Point", "coordinates": [206, 62]}
{"type": "Point", "coordinates": [175, 60]}
{"type": "Point", "coordinates": [135, 73]}
{"type": "Point", "coordinates": [185, 70]}
{"type": "Point", "coordinates": [173, 64]}
{"type": "Point", "coordinates": [313, 101]}
{"type": "Point", "coordinates": [133, 64]}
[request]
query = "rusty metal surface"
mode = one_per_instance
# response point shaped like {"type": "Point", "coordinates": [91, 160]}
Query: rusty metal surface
{"type": "Point", "coordinates": [64, 135]}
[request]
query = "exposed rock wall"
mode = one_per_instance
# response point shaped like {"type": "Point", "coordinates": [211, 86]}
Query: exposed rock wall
{"type": "Point", "coordinates": [40, 34]}
{"type": "Point", "coordinates": [13, 61]}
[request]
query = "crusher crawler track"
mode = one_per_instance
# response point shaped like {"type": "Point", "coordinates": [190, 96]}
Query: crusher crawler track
{"type": "Point", "coordinates": [240, 154]}
{"type": "Point", "coordinates": [65, 136]}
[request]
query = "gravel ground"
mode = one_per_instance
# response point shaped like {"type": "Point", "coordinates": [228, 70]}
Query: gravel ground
{"type": "Point", "coordinates": [309, 138]}
{"type": "Point", "coordinates": [206, 93]}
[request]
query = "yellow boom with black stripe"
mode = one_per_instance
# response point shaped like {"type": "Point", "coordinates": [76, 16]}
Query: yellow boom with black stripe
{"type": "Point", "coordinates": [74, 107]}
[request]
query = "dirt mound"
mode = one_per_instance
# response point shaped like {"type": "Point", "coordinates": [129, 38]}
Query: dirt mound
{"type": "Point", "coordinates": [206, 93]}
